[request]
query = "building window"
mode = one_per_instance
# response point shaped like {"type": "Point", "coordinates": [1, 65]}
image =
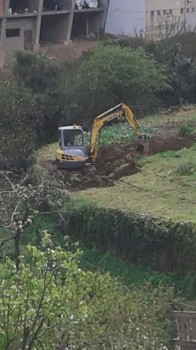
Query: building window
{"type": "Point", "coordinates": [164, 12]}
{"type": "Point", "coordinates": [187, 10]}
{"type": "Point", "coordinates": [193, 9]}
{"type": "Point", "coordinates": [181, 10]}
{"type": "Point", "coordinates": [12, 33]}
{"type": "Point", "coordinates": [170, 11]}
{"type": "Point", "coordinates": [152, 13]}
{"type": "Point", "coordinates": [158, 12]}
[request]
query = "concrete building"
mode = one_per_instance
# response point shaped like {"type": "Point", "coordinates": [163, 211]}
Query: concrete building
{"type": "Point", "coordinates": [24, 24]}
{"type": "Point", "coordinates": [154, 19]}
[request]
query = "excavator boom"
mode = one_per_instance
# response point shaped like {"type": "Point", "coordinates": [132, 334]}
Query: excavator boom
{"type": "Point", "coordinates": [113, 113]}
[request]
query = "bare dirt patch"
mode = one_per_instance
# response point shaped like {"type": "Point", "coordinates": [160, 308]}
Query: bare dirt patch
{"type": "Point", "coordinates": [69, 52]}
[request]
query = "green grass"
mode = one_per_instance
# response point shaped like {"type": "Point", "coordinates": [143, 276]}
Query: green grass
{"type": "Point", "coordinates": [128, 275]}
{"type": "Point", "coordinates": [183, 115]}
{"type": "Point", "coordinates": [166, 187]}
{"type": "Point", "coordinates": [95, 260]}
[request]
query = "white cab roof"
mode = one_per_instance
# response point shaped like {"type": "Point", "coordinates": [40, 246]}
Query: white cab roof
{"type": "Point", "coordinates": [71, 127]}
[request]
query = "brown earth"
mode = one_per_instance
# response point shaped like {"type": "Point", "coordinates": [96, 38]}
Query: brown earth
{"type": "Point", "coordinates": [114, 162]}
{"type": "Point", "coordinates": [69, 52]}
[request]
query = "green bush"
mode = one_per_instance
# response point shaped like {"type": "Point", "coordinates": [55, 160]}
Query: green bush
{"type": "Point", "coordinates": [185, 130]}
{"type": "Point", "coordinates": [140, 239]}
{"type": "Point", "coordinates": [36, 72]}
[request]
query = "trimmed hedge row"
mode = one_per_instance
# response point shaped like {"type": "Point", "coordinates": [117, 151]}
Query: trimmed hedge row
{"type": "Point", "coordinates": [163, 245]}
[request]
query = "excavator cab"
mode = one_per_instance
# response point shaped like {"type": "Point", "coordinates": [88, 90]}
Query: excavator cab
{"type": "Point", "coordinates": [71, 151]}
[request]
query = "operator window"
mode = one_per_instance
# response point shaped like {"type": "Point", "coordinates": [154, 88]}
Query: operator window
{"type": "Point", "coordinates": [73, 138]}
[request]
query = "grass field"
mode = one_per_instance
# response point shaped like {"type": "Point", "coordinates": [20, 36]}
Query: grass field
{"type": "Point", "coordinates": [165, 187]}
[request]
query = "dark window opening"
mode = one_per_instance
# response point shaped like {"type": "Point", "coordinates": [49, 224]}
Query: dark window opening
{"type": "Point", "coordinates": [23, 6]}
{"type": "Point", "coordinates": [193, 9]}
{"type": "Point", "coordinates": [164, 12]}
{"type": "Point", "coordinates": [73, 138]}
{"type": "Point", "coordinates": [17, 6]}
{"type": "Point", "coordinates": [79, 27]}
{"type": "Point", "coordinates": [158, 13]}
{"type": "Point", "coordinates": [12, 33]}
{"type": "Point", "coordinates": [181, 10]}
{"type": "Point", "coordinates": [170, 11]}
{"type": "Point", "coordinates": [55, 5]}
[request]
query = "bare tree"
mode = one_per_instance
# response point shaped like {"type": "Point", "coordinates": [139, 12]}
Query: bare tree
{"type": "Point", "coordinates": [20, 203]}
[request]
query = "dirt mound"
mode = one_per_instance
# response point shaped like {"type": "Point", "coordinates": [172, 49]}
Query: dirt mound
{"type": "Point", "coordinates": [112, 163]}
{"type": "Point", "coordinates": [110, 157]}
{"type": "Point", "coordinates": [157, 145]}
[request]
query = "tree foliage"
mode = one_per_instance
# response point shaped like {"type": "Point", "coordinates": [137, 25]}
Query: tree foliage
{"type": "Point", "coordinates": [18, 119]}
{"type": "Point", "coordinates": [41, 76]}
{"type": "Point", "coordinates": [178, 54]}
{"type": "Point", "coordinates": [36, 72]}
{"type": "Point", "coordinates": [50, 303]}
{"type": "Point", "coordinates": [111, 74]}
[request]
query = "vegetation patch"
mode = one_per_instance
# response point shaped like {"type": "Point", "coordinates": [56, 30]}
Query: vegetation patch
{"type": "Point", "coordinates": [94, 259]}
{"type": "Point", "coordinates": [185, 130]}
{"type": "Point", "coordinates": [65, 297]}
{"type": "Point", "coordinates": [102, 261]}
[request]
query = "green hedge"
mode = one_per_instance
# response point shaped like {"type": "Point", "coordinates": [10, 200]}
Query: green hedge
{"type": "Point", "coordinates": [162, 245]}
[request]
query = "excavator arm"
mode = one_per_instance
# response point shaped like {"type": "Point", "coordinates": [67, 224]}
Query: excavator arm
{"type": "Point", "coordinates": [102, 119]}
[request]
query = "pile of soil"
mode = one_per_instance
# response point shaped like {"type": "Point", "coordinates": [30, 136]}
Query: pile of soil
{"type": "Point", "coordinates": [158, 144]}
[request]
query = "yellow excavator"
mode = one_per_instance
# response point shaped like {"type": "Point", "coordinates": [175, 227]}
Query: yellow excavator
{"type": "Point", "coordinates": [71, 151]}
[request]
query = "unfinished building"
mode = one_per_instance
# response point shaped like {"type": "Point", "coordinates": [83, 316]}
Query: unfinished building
{"type": "Point", "coordinates": [25, 24]}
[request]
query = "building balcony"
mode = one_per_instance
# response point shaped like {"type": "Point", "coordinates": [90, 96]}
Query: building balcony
{"type": "Point", "coordinates": [22, 15]}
